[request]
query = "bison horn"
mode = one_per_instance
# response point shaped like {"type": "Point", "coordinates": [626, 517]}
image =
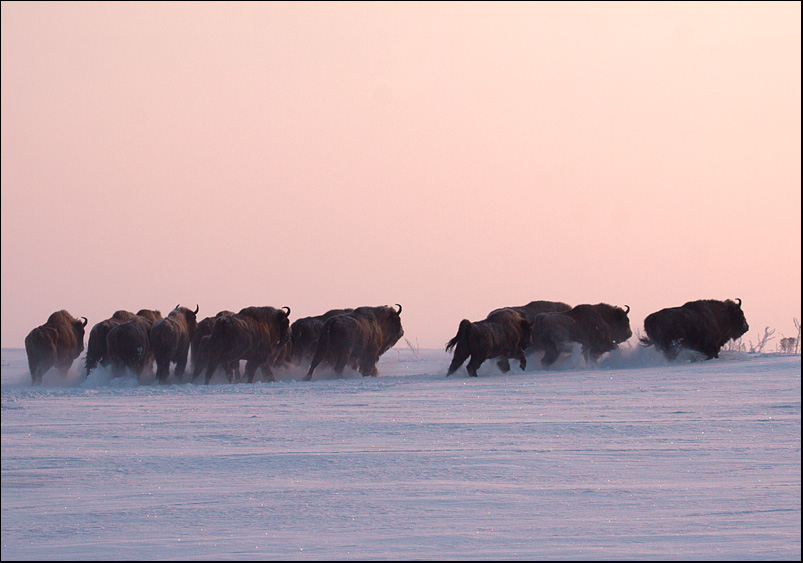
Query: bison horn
{"type": "Point", "coordinates": [196, 309]}
{"type": "Point", "coordinates": [177, 306]}
{"type": "Point", "coordinates": [399, 311]}
{"type": "Point", "coordinates": [627, 309]}
{"type": "Point", "coordinates": [288, 310]}
{"type": "Point", "coordinates": [85, 320]}
{"type": "Point", "coordinates": [738, 302]}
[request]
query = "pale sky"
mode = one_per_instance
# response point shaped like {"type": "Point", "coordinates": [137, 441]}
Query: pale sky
{"type": "Point", "coordinates": [451, 157]}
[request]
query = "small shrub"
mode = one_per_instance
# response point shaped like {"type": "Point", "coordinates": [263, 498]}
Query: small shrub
{"type": "Point", "coordinates": [758, 347]}
{"type": "Point", "coordinates": [413, 348]}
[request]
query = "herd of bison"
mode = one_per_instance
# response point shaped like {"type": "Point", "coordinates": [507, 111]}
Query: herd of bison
{"type": "Point", "coordinates": [265, 339]}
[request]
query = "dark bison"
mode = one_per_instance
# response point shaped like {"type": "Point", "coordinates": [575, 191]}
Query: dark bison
{"type": "Point", "coordinates": [57, 343]}
{"type": "Point", "coordinates": [533, 308]}
{"type": "Point", "coordinates": [255, 334]}
{"type": "Point", "coordinates": [128, 344]}
{"type": "Point", "coordinates": [305, 333]}
{"type": "Point", "coordinates": [199, 348]}
{"type": "Point", "coordinates": [503, 334]}
{"type": "Point", "coordinates": [703, 326]}
{"type": "Point", "coordinates": [170, 341]}
{"type": "Point", "coordinates": [96, 346]}
{"type": "Point", "coordinates": [597, 328]}
{"type": "Point", "coordinates": [358, 339]}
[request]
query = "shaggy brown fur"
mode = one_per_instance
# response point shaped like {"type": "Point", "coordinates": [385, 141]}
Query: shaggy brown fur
{"type": "Point", "coordinates": [703, 326]}
{"type": "Point", "coordinates": [128, 344]}
{"type": "Point", "coordinates": [597, 328]}
{"type": "Point", "coordinates": [255, 335]}
{"type": "Point", "coordinates": [305, 333]}
{"type": "Point", "coordinates": [57, 343]}
{"type": "Point", "coordinates": [96, 346]}
{"type": "Point", "coordinates": [503, 334]}
{"type": "Point", "coordinates": [170, 340]}
{"type": "Point", "coordinates": [358, 338]}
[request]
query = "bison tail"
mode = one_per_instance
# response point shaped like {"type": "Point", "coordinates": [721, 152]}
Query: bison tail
{"type": "Point", "coordinates": [461, 336]}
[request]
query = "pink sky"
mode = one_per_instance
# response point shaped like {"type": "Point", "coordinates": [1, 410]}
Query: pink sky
{"type": "Point", "coordinates": [450, 157]}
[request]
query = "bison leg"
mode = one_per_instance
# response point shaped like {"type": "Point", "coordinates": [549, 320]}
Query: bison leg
{"type": "Point", "coordinates": [522, 359]}
{"type": "Point", "coordinates": [38, 370]}
{"type": "Point", "coordinates": [64, 367]}
{"type": "Point", "coordinates": [315, 361]}
{"type": "Point", "coordinates": [368, 366]}
{"type": "Point", "coordinates": [671, 350]}
{"type": "Point", "coordinates": [320, 353]}
{"type": "Point", "coordinates": [229, 371]}
{"type": "Point", "coordinates": [266, 371]}
{"type": "Point", "coordinates": [210, 371]}
{"type": "Point", "coordinates": [340, 364]}
{"type": "Point", "coordinates": [197, 368]}
{"type": "Point", "coordinates": [181, 366]}
{"type": "Point", "coordinates": [162, 371]}
{"type": "Point", "coordinates": [503, 364]}
{"type": "Point", "coordinates": [37, 375]}
{"type": "Point", "coordinates": [90, 364]}
{"type": "Point", "coordinates": [551, 355]}
{"type": "Point", "coordinates": [473, 365]}
{"type": "Point", "coordinates": [250, 370]}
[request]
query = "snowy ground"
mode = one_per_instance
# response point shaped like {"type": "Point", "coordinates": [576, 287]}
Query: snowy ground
{"type": "Point", "coordinates": [635, 459]}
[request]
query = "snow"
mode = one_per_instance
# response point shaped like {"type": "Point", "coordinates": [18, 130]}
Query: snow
{"type": "Point", "coordinates": [635, 458]}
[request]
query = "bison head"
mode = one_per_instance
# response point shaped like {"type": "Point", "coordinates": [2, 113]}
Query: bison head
{"type": "Point", "coordinates": [737, 323]}
{"type": "Point", "coordinates": [283, 318]}
{"type": "Point", "coordinates": [394, 326]}
{"type": "Point", "coordinates": [191, 317]}
{"type": "Point", "coordinates": [620, 325]}
{"type": "Point", "coordinates": [78, 327]}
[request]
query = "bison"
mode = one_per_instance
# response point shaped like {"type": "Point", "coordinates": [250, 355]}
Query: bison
{"type": "Point", "coordinates": [533, 308]}
{"type": "Point", "coordinates": [170, 340]}
{"type": "Point", "coordinates": [128, 343]}
{"type": "Point", "coordinates": [57, 343]}
{"type": "Point", "coordinates": [703, 326]}
{"type": "Point", "coordinates": [597, 328]}
{"type": "Point", "coordinates": [358, 339]}
{"type": "Point", "coordinates": [255, 334]}
{"type": "Point", "coordinates": [305, 333]}
{"type": "Point", "coordinates": [503, 334]}
{"type": "Point", "coordinates": [96, 346]}
{"type": "Point", "coordinates": [199, 348]}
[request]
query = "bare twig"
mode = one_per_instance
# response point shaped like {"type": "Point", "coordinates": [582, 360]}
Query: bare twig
{"type": "Point", "coordinates": [758, 347]}
{"type": "Point", "coordinates": [413, 348]}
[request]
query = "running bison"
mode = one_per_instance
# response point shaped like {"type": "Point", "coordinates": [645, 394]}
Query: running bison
{"type": "Point", "coordinates": [503, 334]}
{"type": "Point", "coordinates": [199, 348]}
{"type": "Point", "coordinates": [357, 339]}
{"type": "Point", "coordinates": [128, 344]}
{"type": "Point", "coordinates": [255, 334]}
{"type": "Point", "coordinates": [703, 326]}
{"type": "Point", "coordinates": [597, 328]}
{"type": "Point", "coordinates": [57, 343]}
{"type": "Point", "coordinates": [170, 341]}
{"type": "Point", "coordinates": [305, 333]}
{"type": "Point", "coordinates": [533, 308]}
{"type": "Point", "coordinates": [96, 346]}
